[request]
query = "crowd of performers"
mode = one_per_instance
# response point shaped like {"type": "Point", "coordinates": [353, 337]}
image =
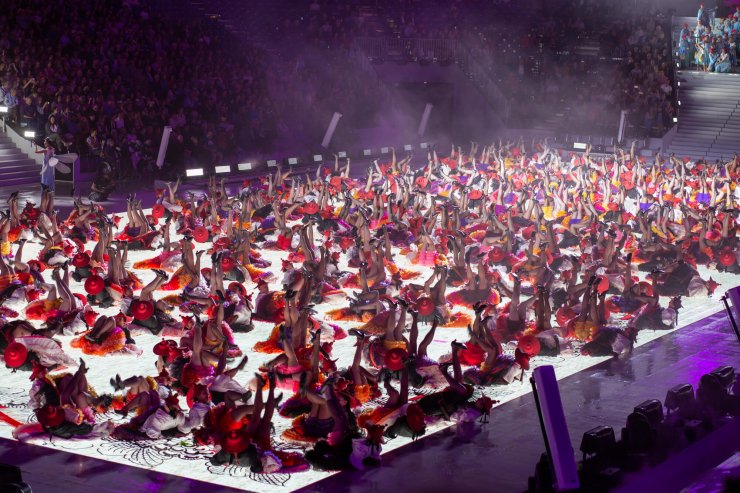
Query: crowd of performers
{"type": "Point", "coordinates": [532, 249]}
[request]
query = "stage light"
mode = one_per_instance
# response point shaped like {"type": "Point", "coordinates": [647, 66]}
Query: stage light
{"type": "Point", "coordinates": [367, 152]}
{"type": "Point", "coordinates": [408, 147]}
{"type": "Point", "coordinates": [712, 395]}
{"type": "Point", "coordinates": [424, 145]}
{"type": "Point", "coordinates": [342, 154]}
{"type": "Point", "coordinates": [29, 134]}
{"type": "Point", "coordinates": [725, 374]}
{"type": "Point", "coordinates": [292, 161]}
{"type": "Point", "coordinates": [680, 398]}
{"type": "Point", "coordinates": [638, 436]}
{"type": "Point", "coordinates": [385, 150]}
{"type": "Point", "coordinates": [272, 163]}
{"type": "Point", "coordinates": [245, 166]}
{"type": "Point", "coordinates": [580, 146]}
{"type": "Point", "coordinates": [222, 169]}
{"type": "Point", "coordinates": [679, 103]}
{"type": "Point", "coordinates": [679, 83]}
{"type": "Point", "coordinates": [653, 411]}
{"type": "Point", "coordinates": [3, 109]}
{"type": "Point", "coordinates": [675, 119]}
{"type": "Point", "coordinates": [317, 158]}
{"type": "Point", "coordinates": [194, 172]}
{"type": "Point", "coordinates": [598, 440]}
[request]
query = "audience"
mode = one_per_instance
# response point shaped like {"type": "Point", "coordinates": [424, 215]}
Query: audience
{"type": "Point", "coordinates": [103, 79]}
{"type": "Point", "coordinates": [712, 45]}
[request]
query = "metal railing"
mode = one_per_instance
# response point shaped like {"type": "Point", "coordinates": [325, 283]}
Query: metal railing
{"type": "Point", "coordinates": [439, 51]}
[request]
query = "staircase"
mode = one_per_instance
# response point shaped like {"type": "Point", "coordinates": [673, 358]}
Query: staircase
{"type": "Point", "coordinates": [708, 115]}
{"type": "Point", "coordinates": [16, 168]}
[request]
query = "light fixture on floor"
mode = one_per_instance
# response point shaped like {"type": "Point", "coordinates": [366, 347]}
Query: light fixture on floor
{"type": "Point", "coordinates": [292, 161]}
{"type": "Point", "coordinates": [385, 150]}
{"type": "Point", "coordinates": [29, 134]}
{"type": "Point", "coordinates": [653, 411]}
{"type": "Point", "coordinates": [245, 166]}
{"type": "Point", "coordinates": [408, 147]}
{"type": "Point", "coordinates": [3, 109]}
{"type": "Point", "coordinates": [725, 375]}
{"type": "Point", "coordinates": [597, 441]}
{"type": "Point", "coordinates": [680, 399]}
{"type": "Point", "coordinates": [317, 158]}
{"type": "Point", "coordinates": [712, 396]}
{"type": "Point", "coordinates": [271, 163]}
{"type": "Point", "coordinates": [11, 480]}
{"type": "Point", "coordinates": [342, 154]}
{"type": "Point", "coordinates": [220, 170]}
{"type": "Point", "coordinates": [367, 152]}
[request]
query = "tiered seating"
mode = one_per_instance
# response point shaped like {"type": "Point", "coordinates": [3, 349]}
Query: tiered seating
{"type": "Point", "coordinates": [708, 119]}
{"type": "Point", "coordinates": [15, 167]}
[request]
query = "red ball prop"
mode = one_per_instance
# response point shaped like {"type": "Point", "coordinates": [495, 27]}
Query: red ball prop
{"type": "Point", "coordinates": [158, 211]}
{"type": "Point", "coordinates": [394, 359]}
{"type": "Point", "coordinates": [425, 306]}
{"type": "Point", "coordinates": [94, 284]}
{"type": "Point", "coordinates": [50, 416]}
{"type": "Point", "coordinates": [234, 442]}
{"type": "Point", "coordinates": [15, 354]}
{"type": "Point", "coordinates": [726, 257]}
{"type": "Point", "coordinates": [81, 259]}
{"type": "Point", "coordinates": [142, 310]}
{"type": "Point", "coordinates": [529, 345]}
{"type": "Point", "coordinates": [228, 263]}
{"type": "Point", "coordinates": [200, 234]}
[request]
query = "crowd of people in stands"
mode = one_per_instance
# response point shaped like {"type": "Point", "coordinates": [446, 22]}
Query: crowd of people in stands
{"type": "Point", "coordinates": [108, 93]}
{"type": "Point", "coordinates": [711, 45]}
{"type": "Point", "coordinates": [541, 66]}
{"type": "Point", "coordinates": [104, 79]}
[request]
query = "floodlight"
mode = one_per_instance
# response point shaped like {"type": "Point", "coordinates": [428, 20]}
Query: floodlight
{"type": "Point", "coordinates": [244, 166]}
{"type": "Point", "coordinates": [194, 172]}
{"type": "Point", "coordinates": [222, 169]}
{"type": "Point", "coordinates": [317, 158]}
{"type": "Point", "coordinates": [272, 163]}
{"type": "Point", "coordinates": [29, 134]}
